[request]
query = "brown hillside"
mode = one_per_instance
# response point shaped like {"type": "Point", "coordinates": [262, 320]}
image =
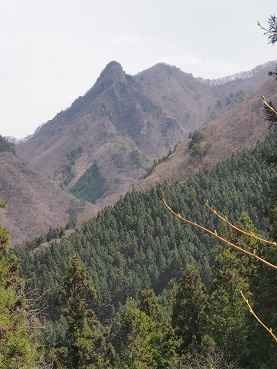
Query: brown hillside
{"type": "Point", "coordinates": [237, 129]}
{"type": "Point", "coordinates": [123, 123]}
{"type": "Point", "coordinates": [34, 204]}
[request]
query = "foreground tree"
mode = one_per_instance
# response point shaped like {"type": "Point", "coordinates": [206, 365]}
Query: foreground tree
{"type": "Point", "coordinates": [18, 347]}
{"type": "Point", "coordinates": [271, 30]}
{"type": "Point", "coordinates": [142, 336]}
{"type": "Point", "coordinates": [84, 343]}
{"type": "Point", "coordinates": [190, 299]}
{"type": "Point", "coordinates": [271, 115]}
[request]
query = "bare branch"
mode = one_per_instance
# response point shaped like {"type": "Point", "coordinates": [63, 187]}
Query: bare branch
{"type": "Point", "coordinates": [271, 31]}
{"type": "Point", "coordinates": [213, 359]}
{"type": "Point", "coordinates": [239, 229]}
{"type": "Point", "coordinates": [257, 318]}
{"type": "Point", "coordinates": [269, 106]}
{"type": "Point", "coordinates": [267, 30]}
{"type": "Point", "coordinates": [215, 235]}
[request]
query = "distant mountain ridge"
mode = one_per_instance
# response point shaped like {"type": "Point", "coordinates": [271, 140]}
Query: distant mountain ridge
{"type": "Point", "coordinates": [110, 137]}
{"type": "Point", "coordinates": [235, 130]}
{"type": "Point", "coordinates": [123, 123]}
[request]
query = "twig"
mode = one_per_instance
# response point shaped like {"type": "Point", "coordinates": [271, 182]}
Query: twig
{"type": "Point", "coordinates": [239, 229]}
{"type": "Point", "coordinates": [269, 330]}
{"type": "Point", "coordinates": [269, 106]}
{"type": "Point", "coordinates": [214, 234]}
{"type": "Point", "coordinates": [266, 29]}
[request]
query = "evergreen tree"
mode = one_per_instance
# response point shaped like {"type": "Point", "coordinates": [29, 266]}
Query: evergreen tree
{"type": "Point", "coordinates": [134, 334]}
{"type": "Point", "coordinates": [190, 298]}
{"type": "Point", "coordinates": [271, 115]}
{"type": "Point", "coordinates": [18, 346]}
{"type": "Point", "coordinates": [149, 304]}
{"type": "Point", "coordinates": [84, 344]}
{"type": "Point", "coordinates": [142, 336]}
{"type": "Point", "coordinates": [167, 339]}
{"type": "Point", "coordinates": [264, 284]}
{"type": "Point", "coordinates": [264, 288]}
{"type": "Point", "coordinates": [225, 315]}
{"type": "Point", "coordinates": [225, 321]}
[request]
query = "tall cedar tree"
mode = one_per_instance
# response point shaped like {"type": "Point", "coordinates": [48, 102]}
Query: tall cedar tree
{"type": "Point", "coordinates": [225, 319]}
{"type": "Point", "coordinates": [84, 345]}
{"type": "Point", "coordinates": [271, 115]}
{"type": "Point", "coordinates": [190, 299]}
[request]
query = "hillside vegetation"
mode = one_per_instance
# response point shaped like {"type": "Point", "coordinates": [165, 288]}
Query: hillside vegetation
{"type": "Point", "coordinates": [136, 246]}
{"type": "Point", "coordinates": [137, 243]}
{"type": "Point", "coordinates": [34, 203]}
{"type": "Point", "coordinates": [232, 132]}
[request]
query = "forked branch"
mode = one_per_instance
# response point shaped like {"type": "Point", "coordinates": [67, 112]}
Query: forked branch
{"type": "Point", "coordinates": [267, 30]}
{"type": "Point", "coordinates": [271, 31]}
{"type": "Point", "coordinates": [239, 229]}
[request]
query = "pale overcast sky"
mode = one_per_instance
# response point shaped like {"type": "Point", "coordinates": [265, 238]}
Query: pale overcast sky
{"type": "Point", "coordinates": [52, 51]}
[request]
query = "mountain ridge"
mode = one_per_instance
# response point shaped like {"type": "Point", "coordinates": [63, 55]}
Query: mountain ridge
{"type": "Point", "coordinates": [234, 131]}
{"type": "Point", "coordinates": [112, 135]}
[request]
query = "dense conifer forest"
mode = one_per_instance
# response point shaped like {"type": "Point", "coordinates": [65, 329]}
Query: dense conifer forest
{"type": "Point", "coordinates": [138, 243]}
{"type": "Point", "coordinates": [137, 250]}
{"type": "Point", "coordinates": [135, 287]}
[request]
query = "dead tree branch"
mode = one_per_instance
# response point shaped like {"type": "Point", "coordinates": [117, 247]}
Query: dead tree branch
{"type": "Point", "coordinates": [215, 235]}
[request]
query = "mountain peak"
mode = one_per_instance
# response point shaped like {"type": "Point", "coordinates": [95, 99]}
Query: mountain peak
{"type": "Point", "coordinates": [113, 64]}
{"type": "Point", "coordinates": [113, 71]}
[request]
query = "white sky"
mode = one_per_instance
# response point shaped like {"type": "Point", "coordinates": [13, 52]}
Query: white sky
{"type": "Point", "coordinates": [52, 51]}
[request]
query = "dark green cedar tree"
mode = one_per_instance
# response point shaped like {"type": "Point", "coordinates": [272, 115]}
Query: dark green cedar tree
{"type": "Point", "coordinates": [189, 301]}
{"type": "Point", "coordinates": [142, 336]}
{"type": "Point", "coordinates": [84, 345]}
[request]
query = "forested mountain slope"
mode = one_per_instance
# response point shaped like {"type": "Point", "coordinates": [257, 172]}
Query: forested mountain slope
{"type": "Point", "coordinates": [139, 285]}
{"type": "Point", "coordinates": [137, 243]}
